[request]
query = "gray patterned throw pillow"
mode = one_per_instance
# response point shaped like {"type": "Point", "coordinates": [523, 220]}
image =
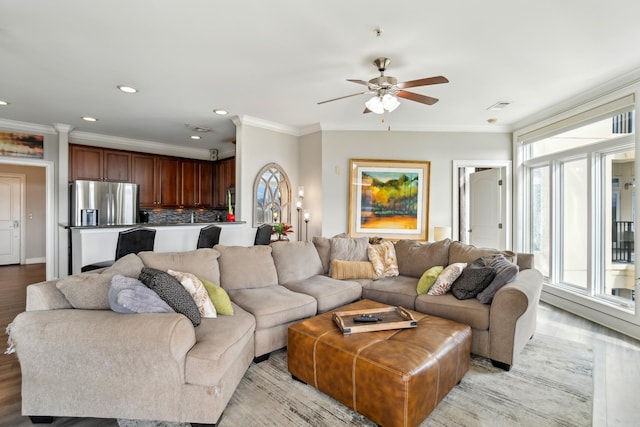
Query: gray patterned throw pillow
{"type": "Point", "coordinates": [172, 292]}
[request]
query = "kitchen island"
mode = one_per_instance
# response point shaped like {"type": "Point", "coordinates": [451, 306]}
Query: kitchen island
{"type": "Point", "coordinates": [96, 244]}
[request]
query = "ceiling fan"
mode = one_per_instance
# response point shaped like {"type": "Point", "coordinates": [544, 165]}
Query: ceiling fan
{"type": "Point", "coordinates": [386, 90]}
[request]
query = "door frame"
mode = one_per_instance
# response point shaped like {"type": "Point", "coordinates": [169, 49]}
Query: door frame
{"type": "Point", "coordinates": [23, 186]}
{"type": "Point", "coordinates": [51, 240]}
{"type": "Point", "coordinates": [455, 209]}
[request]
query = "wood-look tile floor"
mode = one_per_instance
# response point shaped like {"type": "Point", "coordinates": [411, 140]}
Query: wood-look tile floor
{"type": "Point", "coordinates": [616, 358]}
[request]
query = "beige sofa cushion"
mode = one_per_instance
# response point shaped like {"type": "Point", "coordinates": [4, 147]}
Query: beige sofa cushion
{"type": "Point", "coordinates": [461, 252]}
{"type": "Point", "coordinates": [329, 293]}
{"type": "Point", "coordinates": [90, 291]}
{"type": "Point", "coordinates": [202, 262]}
{"type": "Point", "coordinates": [244, 267]}
{"type": "Point", "coordinates": [414, 258]}
{"type": "Point", "coordinates": [470, 312]}
{"type": "Point", "coordinates": [274, 305]}
{"type": "Point", "coordinates": [323, 246]}
{"type": "Point", "coordinates": [220, 343]}
{"type": "Point", "coordinates": [295, 260]}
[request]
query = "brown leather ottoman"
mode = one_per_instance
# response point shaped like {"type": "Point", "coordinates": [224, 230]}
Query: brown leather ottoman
{"type": "Point", "coordinates": [394, 377]}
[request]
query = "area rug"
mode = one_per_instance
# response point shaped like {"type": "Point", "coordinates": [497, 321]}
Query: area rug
{"type": "Point", "coordinates": [550, 386]}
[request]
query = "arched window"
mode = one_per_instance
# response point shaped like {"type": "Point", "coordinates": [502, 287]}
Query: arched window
{"type": "Point", "coordinates": [272, 196]}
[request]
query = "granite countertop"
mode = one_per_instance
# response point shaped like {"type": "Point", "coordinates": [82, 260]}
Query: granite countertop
{"type": "Point", "coordinates": [151, 224]}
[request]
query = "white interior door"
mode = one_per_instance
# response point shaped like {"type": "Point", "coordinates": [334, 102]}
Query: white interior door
{"type": "Point", "coordinates": [10, 216]}
{"type": "Point", "coordinates": [487, 209]}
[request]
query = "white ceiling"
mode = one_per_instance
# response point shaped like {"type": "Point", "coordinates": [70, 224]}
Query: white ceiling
{"type": "Point", "coordinates": [274, 60]}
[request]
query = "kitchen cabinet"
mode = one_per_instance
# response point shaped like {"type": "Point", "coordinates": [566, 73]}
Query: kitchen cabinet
{"type": "Point", "coordinates": [143, 168]}
{"type": "Point", "coordinates": [224, 179]}
{"type": "Point", "coordinates": [196, 178]}
{"type": "Point", "coordinates": [98, 164]}
{"type": "Point", "coordinates": [164, 181]}
{"type": "Point", "coordinates": [157, 177]}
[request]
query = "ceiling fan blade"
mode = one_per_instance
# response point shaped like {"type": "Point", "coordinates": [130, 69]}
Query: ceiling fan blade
{"type": "Point", "coordinates": [360, 82]}
{"type": "Point", "coordinates": [423, 82]}
{"type": "Point", "coordinates": [417, 97]}
{"type": "Point", "coordinates": [343, 97]}
{"type": "Point", "coordinates": [366, 110]}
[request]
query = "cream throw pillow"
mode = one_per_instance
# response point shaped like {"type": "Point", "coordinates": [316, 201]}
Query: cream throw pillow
{"type": "Point", "coordinates": [198, 292]}
{"type": "Point", "coordinates": [383, 258]}
{"type": "Point", "coordinates": [446, 278]}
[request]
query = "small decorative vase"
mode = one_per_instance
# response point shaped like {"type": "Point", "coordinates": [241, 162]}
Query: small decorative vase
{"type": "Point", "coordinates": [283, 238]}
{"type": "Point", "coordinates": [231, 217]}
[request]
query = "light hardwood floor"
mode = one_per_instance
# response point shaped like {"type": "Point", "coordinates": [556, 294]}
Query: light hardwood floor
{"type": "Point", "coordinates": [616, 358]}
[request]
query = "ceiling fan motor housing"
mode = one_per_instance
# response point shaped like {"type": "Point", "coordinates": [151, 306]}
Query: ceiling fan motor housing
{"type": "Point", "coordinates": [384, 82]}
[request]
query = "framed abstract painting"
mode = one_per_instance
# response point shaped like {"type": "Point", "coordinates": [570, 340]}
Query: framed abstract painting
{"type": "Point", "coordinates": [21, 145]}
{"type": "Point", "coordinates": [389, 199]}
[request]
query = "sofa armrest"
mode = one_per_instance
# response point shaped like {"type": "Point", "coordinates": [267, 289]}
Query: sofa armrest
{"type": "Point", "coordinates": [513, 315]}
{"type": "Point", "coordinates": [99, 357]}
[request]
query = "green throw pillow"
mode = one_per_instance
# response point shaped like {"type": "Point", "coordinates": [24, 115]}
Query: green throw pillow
{"type": "Point", "coordinates": [219, 297]}
{"type": "Point", "coordinates": [428, 279]}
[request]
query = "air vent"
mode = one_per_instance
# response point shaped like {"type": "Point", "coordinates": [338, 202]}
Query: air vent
{"type": "Point", "coordinates": [499, 106]}
{"type": "Point", "coordinates": [196, 128]}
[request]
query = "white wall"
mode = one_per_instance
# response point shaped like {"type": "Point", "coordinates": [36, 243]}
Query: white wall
{"type": "Point", "coordinates": [437, 147]}
{"type": "Point", "coordinates": [310, 164]}
{"type": "Point", "coordinates": [256, 147]}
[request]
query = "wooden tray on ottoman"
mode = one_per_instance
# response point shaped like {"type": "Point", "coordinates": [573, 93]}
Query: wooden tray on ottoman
{"type": "Point", "coordinates": [392, 318]}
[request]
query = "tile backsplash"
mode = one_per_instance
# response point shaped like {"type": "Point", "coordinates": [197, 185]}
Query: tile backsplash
{"type": "Point", "coordinates": [175, 216]}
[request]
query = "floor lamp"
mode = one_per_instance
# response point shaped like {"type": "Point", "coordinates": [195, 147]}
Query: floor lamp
{"type": "Point", "coordinates": [307, 218]}
{"type": "Point", "coordinates": [299, 208]}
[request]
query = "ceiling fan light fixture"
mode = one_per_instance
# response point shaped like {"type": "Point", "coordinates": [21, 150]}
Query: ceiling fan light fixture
{"type": "Point", "coordinates": [390, 102]}
{"type": "Point", "coordinates": [375, 105]}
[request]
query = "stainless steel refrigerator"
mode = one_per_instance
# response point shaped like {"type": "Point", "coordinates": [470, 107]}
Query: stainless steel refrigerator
{"type": "Point", "coordinates": [99, 203]}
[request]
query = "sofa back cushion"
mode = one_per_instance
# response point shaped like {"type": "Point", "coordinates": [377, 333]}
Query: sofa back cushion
{"type": "Point", "coordinates": [461, 252]}
{"type": "Point", "coordinates": [414, 258]}
{"type": "Point", "coordinates": [201, 262]}
{"type": "Point", "coordinates": [90, 291]}
{"type": "Point", "coordinates": [295, 261]}
{"type": "Point", "coordinates": [246, 267]}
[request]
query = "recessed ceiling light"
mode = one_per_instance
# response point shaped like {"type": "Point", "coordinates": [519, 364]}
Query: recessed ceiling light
{"type": "Point", "coordinates": [221, 112]}
{"type": "Point", "coordinates": [195, 137]}
{"type": "Point", "coordinates": [89, 119]}
{"type": "Point", "coordinates": [127, 89]}
{"type": "Point", "coordinates": [3, 102]}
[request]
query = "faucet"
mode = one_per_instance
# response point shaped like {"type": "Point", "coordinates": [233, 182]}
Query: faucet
{"type": "Point", "coordinates": [193, 217]}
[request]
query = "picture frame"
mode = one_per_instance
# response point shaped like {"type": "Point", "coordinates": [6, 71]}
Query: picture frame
{"type": "Point", "coordinates": [389, 199]}
{"type": "Point", "coordinates": [14, 144]}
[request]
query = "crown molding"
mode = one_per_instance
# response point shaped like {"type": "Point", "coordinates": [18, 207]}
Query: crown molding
{"type": "Point", "coordinates": [265, 124]}
{"type": "Point", "coordinates": [26, 127]}
{"type": "Point", "coordinates": [98, 140]}
{"type": "Point", "coordinates": [422, 128]}
{"type": "Point", "coordinates": [615, 87]}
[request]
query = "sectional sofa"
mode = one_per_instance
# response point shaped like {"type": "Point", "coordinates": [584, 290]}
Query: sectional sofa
{"type": "Point", "coordinates": [81, 359]}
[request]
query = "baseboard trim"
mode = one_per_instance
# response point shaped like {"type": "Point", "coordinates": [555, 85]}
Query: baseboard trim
{"type": "Point", "coordinates": [35, 260]}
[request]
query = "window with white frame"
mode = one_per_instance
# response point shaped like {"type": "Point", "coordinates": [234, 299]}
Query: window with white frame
{"type": "Point", "coordinates": [579, 202]}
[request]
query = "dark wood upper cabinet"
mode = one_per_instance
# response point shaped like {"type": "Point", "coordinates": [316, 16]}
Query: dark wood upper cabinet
{"type": "Point", "coordinates": [143, 169]}
{"type": "Point", "coordinates": [224, 179]}
{"type": "Point", "coordinates": [205, 184]}
{"type": "Point", "coordinates": [167, 181]}
{"type": "Point", "coordinates": [189, 183]}
{"type": "Point", "coordinates": [99, 164]}
{"type": "Point", "coordinates": [196, 184]}
{"type": "Point", "coordinates": [163, 181]}
{"type": "Point", "coordinates": [117, 165]}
